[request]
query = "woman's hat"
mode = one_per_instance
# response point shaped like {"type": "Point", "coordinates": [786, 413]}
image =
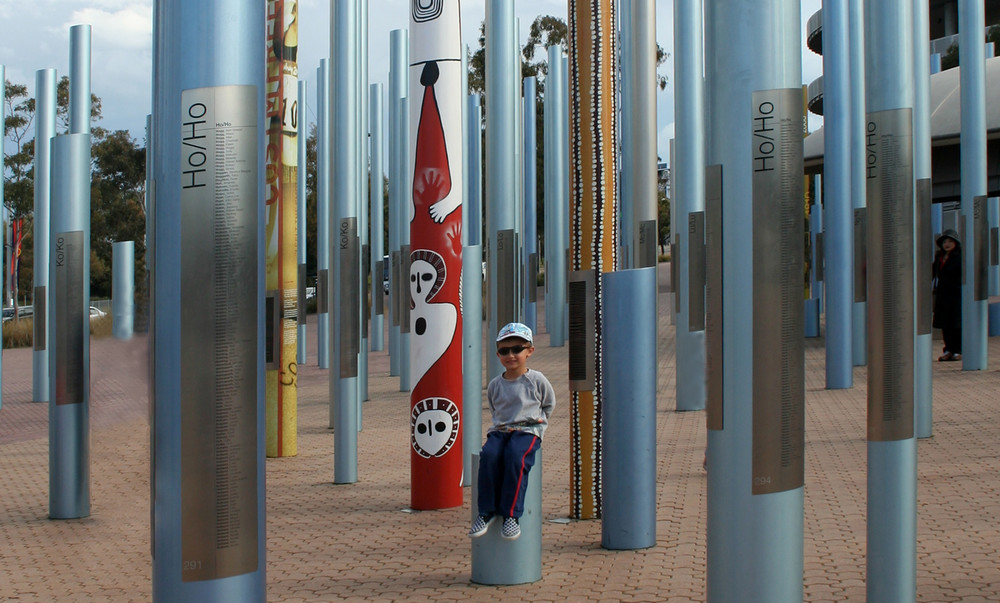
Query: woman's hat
{"type": "Point", "coordinates": [948, 234]}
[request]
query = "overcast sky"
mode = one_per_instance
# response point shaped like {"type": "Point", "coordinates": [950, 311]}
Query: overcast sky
{"type": "Point", "coordinates": [34, 34]}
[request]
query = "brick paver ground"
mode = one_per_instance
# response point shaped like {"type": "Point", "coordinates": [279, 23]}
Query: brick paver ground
{"type": "Point", "coordinates": [332, 542]}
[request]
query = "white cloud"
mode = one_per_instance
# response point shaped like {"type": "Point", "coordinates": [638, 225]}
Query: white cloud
{"type": "Point", "coordinates": [128, 28]}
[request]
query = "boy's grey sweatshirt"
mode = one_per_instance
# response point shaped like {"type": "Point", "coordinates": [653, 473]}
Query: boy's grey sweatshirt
{"type": "Point", "coordinates": [523, 404]}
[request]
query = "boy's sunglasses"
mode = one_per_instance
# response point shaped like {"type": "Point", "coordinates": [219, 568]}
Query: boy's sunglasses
{"type": "Point", "coordinates": [516, 349]}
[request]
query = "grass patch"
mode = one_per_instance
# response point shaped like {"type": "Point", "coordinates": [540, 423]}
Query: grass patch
{"type": "Point", "coordinates": [19, 333]}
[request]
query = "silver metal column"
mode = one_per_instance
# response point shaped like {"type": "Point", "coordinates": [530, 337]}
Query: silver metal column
{"type": "Point", "coordinates": [123, 289]}
{"type": "Point", "coordinates": [501, 172]}
{"type": "Point", "coordinates": [923, 231]}
{"type": "Point", "coordinates": [754, 301]}
{"type": "Point", "coordinates": [404, 211]}
{"type": "Point", "coordinates": [364, 169]}
{"type": "Point", "coordinates": [397, 63]}
{"type": "Point", "coordinates": [971, 22]}
{"type": "Point", "coordinates": [641, 228]}
{"type": "Point", "coordinates": [376, 203]}
{"type": "Point", "coordinates": [208, 392]}
{"type": "Point", "coordinates": [69, 297]}
{"type": "Point", "coordinates": [45, 131]}
{"type": "Point", "coordinates": [556, 195]}
{"type": "Point", "coordinates": [323, 204]}
{"type": "Point", "coordinates": [530, 237]}
{"type": "Point", "coordinates": [859, 336]}
{"type": "Point", "coordinates": [344, 290]}
{"type": "Point", "coordinates": [838, 219]}
{"type": "Point", "coordinates": [627, 89]}
{"type": "Point", "coordinates": [302, 355]}
{"type": "Point", "coordinates": [688, 188]}
{"type": "Point", "coordinates": [472, 295]}
{"type": "Point", "coordinates": [629, 410]}
{"type": "Point", "coordinates": [892, 450]}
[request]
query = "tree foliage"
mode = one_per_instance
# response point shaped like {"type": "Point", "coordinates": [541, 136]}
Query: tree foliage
{"type": "Point", "coordinates": [117, 194]}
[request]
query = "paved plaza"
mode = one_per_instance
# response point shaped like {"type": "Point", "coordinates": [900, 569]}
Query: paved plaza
{"type": "Point", "coordinates": [358, 542]}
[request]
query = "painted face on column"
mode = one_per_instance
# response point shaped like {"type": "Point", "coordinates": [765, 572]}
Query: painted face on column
{"type": "Point", "coordinates": [432, 325]}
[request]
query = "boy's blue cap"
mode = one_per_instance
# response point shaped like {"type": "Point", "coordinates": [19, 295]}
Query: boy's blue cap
{"type": "Point", "coordinates": [515, 329]}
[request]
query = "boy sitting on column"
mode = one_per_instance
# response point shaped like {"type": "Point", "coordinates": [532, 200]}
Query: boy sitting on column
{"type": "Point", "coordinates": [521, 401]}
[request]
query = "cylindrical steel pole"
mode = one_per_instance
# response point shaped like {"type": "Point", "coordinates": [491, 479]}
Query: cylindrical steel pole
{"type": "Point", "coordinates": [397, 64]}
{"type": "Point", "coordinates": [557, 212]}
{"type": "Point", "coordinates": [530, 237]}
{"type": "Point", "coordinates": [208, 393]}
{"type": "Point", "coordinates": [971, 23]}
{"type": "Point", "coordinates": [859, 312]}
{"type": "Point", "coordinates": [364, 171]}
{"type": "Point", "coordinates": [688, 194]}
{"type": "Point", "coordinates": [642, 228]}
{"type": "Point", "coordinates": [501, 172]}
{"type": "Point", "coordinates": [627, 89]}
{"type": "Point", "coordinates": [45, 132]}
{"type": "Point", "coordinates": [838, 210]}
{"type": "Point", "coordinates": [69, 303]}
{"type": "Point", "coordinates": [892, 449]}
{"type": "Point", "coordinates": [302, 354]}
{"type": "Point", "coordinates": [923, 231]}
{"type": "Point", "coordinates": [79, 81]}
{"type": "Point", "coordinates": [344, 253]}
{"type": "Point", "coordinates": [323, 301]}
{"type": "Point", "coordinates": [754, 266]}
{"type": "Point", "coordinates": [123, 289]}
{"type": "Point", "coordinates": [377, 204]}
{"type": "Point", "coordinates": [472, 295]}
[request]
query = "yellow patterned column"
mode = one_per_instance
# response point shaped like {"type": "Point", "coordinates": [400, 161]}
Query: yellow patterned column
{"type": "Point", "coordinates": [281, 232]}
{"type": "Point", "coordinates": [593, 240]}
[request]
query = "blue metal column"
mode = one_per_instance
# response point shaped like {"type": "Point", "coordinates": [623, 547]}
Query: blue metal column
{"type": "Point", "coordinates": [556, 210]}
{"type": "Point", "coordinates": [302, 355]}
{"type": "Point", "coordinates": [323, 215]}
{"type": "Point", "coordinates": [45, 132]}
{"type": "Point", "coordinates": [472, 294]}
{"type": "Point", "coordinates": [376, 202]}
{"type": "Point", "coordinates": [838, 219]}
{"type": "Point", "coordinates": [815, 302]}
{"type": "Point", "coordinates": [501, 169]}
{"type": "Point", "coordinates": [68, 296]}
{"type": "Point", "coordinates": [361, 210]}
{"type": "Point", "coordinates": [404, 212]}
{"type": "Point", "coordinates": [688, 188]}
{"type": "Point", "coordinates": [892, 449]}
{"type": "Point", "coordinates": [208, 350]}
{"type": "Point", "coordinates": [398, 60]}
{"type": "Point", "coordinates": [530, 240]}
{"type": "Point", "coordinates": [923, 231]}
{"type": "Point", "coordinates": [971, 23]}
{"type": "Point", "coordinates": [123, 289]}
{"type": "Point", "coordinates": [344, 284]}
{"type": "Point", "coordinates": [755, 449]}
{"type": "Point", "coordinates": [859, 337]}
